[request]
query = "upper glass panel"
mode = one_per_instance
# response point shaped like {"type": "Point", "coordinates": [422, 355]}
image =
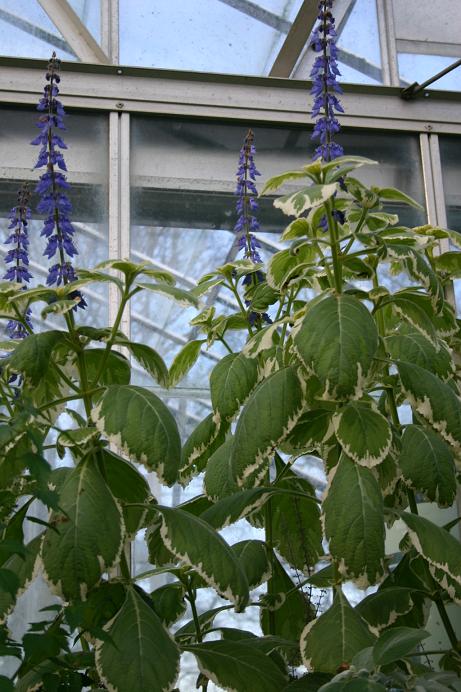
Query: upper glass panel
{"type": "Point", "coordinates": [224, 36]}
{"type": "Point", "coordinates": [89, 12]}
{"type": "Point", "coordinates": [26, 31]}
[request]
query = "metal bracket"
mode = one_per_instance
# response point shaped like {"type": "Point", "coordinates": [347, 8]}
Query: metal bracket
{"type": "Point", "coordinates": [414, 89]}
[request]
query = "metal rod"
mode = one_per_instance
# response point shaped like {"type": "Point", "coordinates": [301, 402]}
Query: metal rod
{"type": "Point", "coordinates": [416, 88]}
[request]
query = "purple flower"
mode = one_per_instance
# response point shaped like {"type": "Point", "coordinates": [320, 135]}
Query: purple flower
{"type": "Point", "coordinates": [246, 203]}
{"type": "Point", "coordinates": [324, 75]}
{"type": "Point", "coordinates": [18, 256]}
{"type": "Point", "coordinates": [54, 203]}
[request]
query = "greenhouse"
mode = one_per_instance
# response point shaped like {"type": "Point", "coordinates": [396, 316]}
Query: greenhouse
{"type": "Point", "coordinates": [230, 380]}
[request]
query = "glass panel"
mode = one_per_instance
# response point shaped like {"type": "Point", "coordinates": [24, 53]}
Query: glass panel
{"type": "Point", "coordinates": [89, 12]}
{"type": "Point", "coordinates": [26, 31]}
{"type": "Point", "coordinates": [86, 157]}
{"type": "Point", "coordinates": [226, 36]}
{"type": "Point", "coordinates": [420, 68]}
{"type": "Point", "coordinates": [450, 154]}
{"type": "Point", "coordinates": [359, 57]}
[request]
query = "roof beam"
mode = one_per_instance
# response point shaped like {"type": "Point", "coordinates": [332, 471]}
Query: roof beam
{"type": "Point", "coordinates": [33, 30]}
{"type": "Point", "coordinates": [295, 41]}
{"type": "Point", "coordinates": [260, 14]}
{"type": "Point", "coordinates": [86, 48]}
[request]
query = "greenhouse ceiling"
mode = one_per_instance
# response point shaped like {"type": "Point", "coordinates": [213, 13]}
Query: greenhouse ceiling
{"type": "Point", "coordinates": [389, 42]}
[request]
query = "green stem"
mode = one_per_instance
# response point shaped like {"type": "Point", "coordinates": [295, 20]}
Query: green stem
{"type": "Point", "coordinates": [198, 629]}
{"type": "Point", "coordinates": [65, 399]}
{"type": "Point", "coordinates": [243, 310]}
{"type": "Point", "coordinates": [335, 249]}
{"type": "Point", "coordinates": [270, 548]}
{"type": "Point", "coordinates": [224, 342]}
{"type": "Point", "coordinates": [124, 566]}
{"type": "Point", "coordinates": [5, 401]}
{"type": "Point", "coordinates": [447, 624]}
{"type": "Point", "coordinates": [113, 336]}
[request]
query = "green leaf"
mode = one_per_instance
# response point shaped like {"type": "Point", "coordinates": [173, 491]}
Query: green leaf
{"type": "Point", "coordinates": [298, 228]}
{"type": "Point", "coordinates": [350, 160]}
{"type": "Point", "coordinates": [411, 346]}
{"type": "Point", "coordinates": [298, 202]}
{"type": "Point", "coordinates": [441, 551]}
{"type": "Point", "coordinates": [291, 612]}
{"type": "Point", "coordinates": [236, 666]}
{"type": "Point", "coordinates": [184, 298]}
{"type": "Point", "coordinates": [32, 356]}
{"type": "Point", "coordinates": [353, 684]}
{"type": "Point", "coordinates": [335, 637]}
{"type": "Point", "coordinates": [138, 422]}
{"type": "Point", "coordinates": [390, 193]}
{"type": "Point", "coordinates": [168, 602]}
{"type": "Point", "coordinates": [311, 430]}
{"type": "Point", "coordinates": [354, 522]}
{"type": "Point", "coordinates": [128, 486]}
{"type": "Point", "coordinates": [187, 633]}
{"type": "Point", "coordinates": [449, 262]}
{"type": "Point", "coordinates": [24, 568]}
{"type": "Point", "coordinates": [89, 536]}
{"type": "Point", "coordinates": [277, 181]}
{"type": "Point", "coordinates": [308, 683]}
{"type": "Point", "coordinates": [237, 506]}
{"type": "Point", "coordinates": [363, 433]}
{"type": "Point", "coordinates": [219, 482]}
{"type": "Point", "coordinates": [6, 684]}
{"type": "Point", "coordinates": [60, 307]}
{"type": "Point", "coordinates": [149, 359]}
{"type": "Point", "coordinates": [427, 465]}
{"type": "Point", "coordinates": [265, 421]}
{"type": "Point", "coordinates": [414, 315]}
{"type": "Point", "coordinates": [383, 608]}
{"type": "Point", "coordinates": [147, 659]}
{"type": "Point", "coordinates": [286, 265]}
{"type": "Point", "coordinates": [116, 371]}
{"type": "Point", "coordinates": [397, 643]}
{"type": "Point", "coordinates": [254, 559]}
{"type": "Point", "coordinates": [264, 339]}
{"type": "Point", "coordinates": [94, 276]}
{"type": "Point", "coordinates": [337, 341]}
{"type": "Point", "coordinates": [207, 437]}
{"type": "Point", "coordinates": [196, 543]}
{"type": "Point", "coordinates": [231, 382]}
{"type": "Point", "coordinates": [434, 400]}
{"type": "Point", "coordinates": [184, 360]}
{"type": "Point", "coordinates": [296, 528]}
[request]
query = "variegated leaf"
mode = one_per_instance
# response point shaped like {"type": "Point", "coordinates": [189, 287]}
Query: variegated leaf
{"type": "Point", "coordinates": [333, 639]}
{"type": "Point", "coordinates": [434, 400]}
{"type": "Point", "coordinates": [138, 422]}
{"type": "Point", "coordinates": [354, 522]}
{"type": "Point", "coordinates": [231, 382]}
{"type": "Point", "coordinates": [207, 437]}
{"type": "Point", "coordinates": [307, 198]}
{"type": "Point", "coordinates": [427, 465]}
{"type": "Point", "coordinates": [383, 608]}
{"type": "Point", "coordinates": [411, 346]}
{"type": "Point", "coordinates": [337, 341]}
{"type": "Point", "coordinates": [193, 541]}
{"type": "Point", "coordinates": [363, 433]}
{"type": "Point", "coordinates": [266, 420]}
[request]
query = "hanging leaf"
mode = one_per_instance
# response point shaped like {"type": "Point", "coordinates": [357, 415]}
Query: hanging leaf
{"type": "Point", "coordinates": [363, 433]}
{"type": "Point", "coordinates": [427, 465]}
{"type": "Point", "coordinates": [203, 441]}
{"type": "Point", "coordinates": [184, 360]}
{"type": "Point", "coordinates": [89, 533]}
{"type": "Point", "coordinates": [254, 559]}
{"type": "Point", "coordinates": [169, 603]}
{"type": "Point", "coordinates": [277, 181]}
{"type": "Point", "coordinates": [383, 608]}
{"type": "Point", "coordinates": [198, 545]}
{"type": "Point", "coordinates": [149, 359]}
{"type": "Point", "coordinates": [441, 551]}
{"type": "Point", "coordinates": [298, 202]}
{"type": "Point", "coordinates": [397, 643]}
{"type": "Point", "coordinates": [129, 487]}
{"type": "Point", "coordinates": [296, 528]}
{"type": "Point", "coordinates": [219, 482]}
{"type": "Point", "coordinates": [266, 420]}
{"type": "Point", "coordinates": [238, 506]}
{"type": "Point", "coordinates": [284, 266]}
{"type": "Point", "coordinates": [297, 229]}
{"type": "Point", "coordinates": [231, 382]}
{"type": "Point", "coordinates": [391, 193]}
{"type": "Point", "coordinates": [136, 421]}
{"type": "Point", "coordinates": [116, 370]}
{"type": "Point", "coordinates": [410, 346]}
{"type": "Point", "coordinates": [293, 609]}
{"type": "Point", "coordinates": [337, 342]}
{"type": "Point", "coordinates": [312, 429]}
{"type": "Point", "coordinates": [31, 357]}
{"type": "Point", "coordinates": [333, 639]}
{"type": "Point", "coordinates": [24, 567]}
{"type": "Point", "coordinates": [434, 400]}
{"type": "Point", "coordinates": [414, 315]}
{"type": "Point", "coordinates": [354, 522]}
{"type": "Point", "coordinates": [147, 659]}
{"type": "Point", "coordinates": [236, 666]}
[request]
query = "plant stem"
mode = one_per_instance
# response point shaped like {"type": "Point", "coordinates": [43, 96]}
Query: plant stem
{"type": "Point", "coordinates": [198, 629]}
{"type": "Point", "coordinates": [113, 335]}
{"type": "Point", "coordinates": [224, 342]}
{"type": "Point", "coordinates": [446, 623]}
{"type": "Point", "coordinates": [335, 250]}
{"type": "Point", "coordinates": [270, 548]}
